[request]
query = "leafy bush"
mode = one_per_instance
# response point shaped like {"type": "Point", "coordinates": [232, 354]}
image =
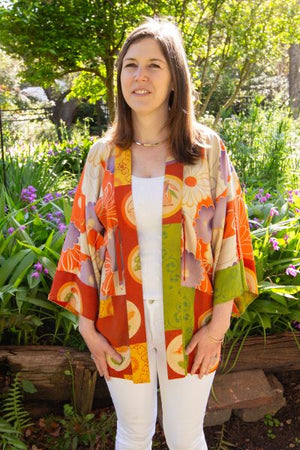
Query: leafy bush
{"type": "Point", "coordinates": [264, 146]}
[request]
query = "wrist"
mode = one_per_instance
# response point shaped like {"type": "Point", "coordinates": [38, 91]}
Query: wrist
{"type": "Point", "coordinates": [86, 326]}
{"type": "Point", "coordinates": [217, 330]}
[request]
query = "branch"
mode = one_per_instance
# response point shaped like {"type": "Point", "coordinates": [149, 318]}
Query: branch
{"type": "Point", "coordinates": [244, 75]}
{"type": "Point", "coordinates": [215, 83]}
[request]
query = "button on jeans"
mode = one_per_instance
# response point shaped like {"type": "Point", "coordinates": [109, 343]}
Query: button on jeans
{"type": "Point", "coordinates": [183, 400]}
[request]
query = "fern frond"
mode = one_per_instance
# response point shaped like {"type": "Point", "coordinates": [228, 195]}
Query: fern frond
{"type": "Point", "coordinates": [13, 409]}
{"type": "Point", "coordinates": [9, 437]}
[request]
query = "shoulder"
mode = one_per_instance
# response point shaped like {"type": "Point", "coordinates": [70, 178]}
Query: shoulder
{"type": "Point", "coordinates": [99, 152]}
{"type": "Point", "coordinates": [213, 147]}
{"type": "Point", "coordinates": [209, 137]}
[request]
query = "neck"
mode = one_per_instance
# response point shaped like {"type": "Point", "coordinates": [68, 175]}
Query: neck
{"type": "Point", "coordinates": [149, 128]}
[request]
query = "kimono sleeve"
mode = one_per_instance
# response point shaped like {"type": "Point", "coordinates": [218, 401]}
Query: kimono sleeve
{"type": "Point", "coordinates": [76, 282]}
{"type": "Point", "coordinates": [234, 275]}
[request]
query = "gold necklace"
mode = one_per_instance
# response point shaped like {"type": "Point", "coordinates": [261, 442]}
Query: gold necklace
{"type": "Point", "coordinates": [142, 144]}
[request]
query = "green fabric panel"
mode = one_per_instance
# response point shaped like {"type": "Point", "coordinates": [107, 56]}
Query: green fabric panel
{"type": "Point", "coordinates": [231, 284]}
{"type": "Point", "coordinates": [178, 300]}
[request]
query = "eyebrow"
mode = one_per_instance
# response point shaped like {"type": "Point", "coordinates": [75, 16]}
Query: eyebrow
{"type": "Point", "coordinates": [151, 59]}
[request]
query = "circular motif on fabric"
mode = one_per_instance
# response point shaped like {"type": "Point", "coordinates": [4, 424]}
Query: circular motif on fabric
{"type": "Point", "coordinates": [134, 318]}
{"type": "Point", "coordinates": [134, 265]}
{"type": "Point", "coordinates": [172, 195]}
{"type": "Point", "coordinates": [251, 279]}
{"type": "Point", "coordinates": [190, 181]}
{"type": "Point", "coordinates": [204, 318]}
{"type": "Point", "coordinates": [125, 353]}
{"type": "Point", "coordinates": [175, 355]}
{"type": "Point", "coordinates": [69, 293]}
{"type": "Point", "coordinates": [128, 210]}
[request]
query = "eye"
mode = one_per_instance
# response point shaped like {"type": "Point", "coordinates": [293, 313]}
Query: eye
{"type": "Point", "coordinates": [156, 66]}
{"type": "Point", "coordinates": [130, 65]}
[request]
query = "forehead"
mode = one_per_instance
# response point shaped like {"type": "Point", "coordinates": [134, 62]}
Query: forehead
{"type": "Point", "coordinates": [145, 48]}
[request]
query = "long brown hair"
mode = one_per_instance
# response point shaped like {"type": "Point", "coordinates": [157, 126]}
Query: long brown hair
{"type": "Point", "coordinates": [185, 137]}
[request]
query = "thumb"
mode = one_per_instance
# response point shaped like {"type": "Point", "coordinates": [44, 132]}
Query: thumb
{"type": "Point", "coordinates": [114, 354]}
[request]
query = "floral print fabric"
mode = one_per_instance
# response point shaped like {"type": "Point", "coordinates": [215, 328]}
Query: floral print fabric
{"type": "Point", "coordinates": [207, 255]}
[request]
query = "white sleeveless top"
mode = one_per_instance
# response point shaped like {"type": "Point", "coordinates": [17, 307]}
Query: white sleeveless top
{"type": "Point", "coordinates": [147, 196]}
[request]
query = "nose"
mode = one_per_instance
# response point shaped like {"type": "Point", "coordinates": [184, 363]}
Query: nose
{"type": "Point", "coordinates": [140, 73]}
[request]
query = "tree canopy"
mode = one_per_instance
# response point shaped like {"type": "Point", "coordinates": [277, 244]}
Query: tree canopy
{"type": "Point", "coordinates": [226, 40]}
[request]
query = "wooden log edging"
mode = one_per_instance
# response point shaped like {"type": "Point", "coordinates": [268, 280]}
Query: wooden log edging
{"type": "Point", "coordinates": [45, 366]}
{"type": "Point", "coordinates": [279, 353]}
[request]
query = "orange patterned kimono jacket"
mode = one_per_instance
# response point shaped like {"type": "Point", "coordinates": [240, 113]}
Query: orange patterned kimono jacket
{"type": "Point", "coordinates": [207, 255]}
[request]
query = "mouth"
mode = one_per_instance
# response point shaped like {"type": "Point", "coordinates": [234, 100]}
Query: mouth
{"type": "Point", "coordinates": [141, 92]}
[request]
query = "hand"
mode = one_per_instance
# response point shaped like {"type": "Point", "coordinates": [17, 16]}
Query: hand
{"type": "Point", "coordinates": [99, 347]}
{"type": "Point", "coordinates": [207, 352]}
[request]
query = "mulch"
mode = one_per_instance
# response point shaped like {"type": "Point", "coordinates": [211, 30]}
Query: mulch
{"type": "Point", "coordinates": [282, 432]}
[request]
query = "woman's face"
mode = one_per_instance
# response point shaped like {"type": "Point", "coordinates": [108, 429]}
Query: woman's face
{"type": "Point", "coordinates": [146, 78]}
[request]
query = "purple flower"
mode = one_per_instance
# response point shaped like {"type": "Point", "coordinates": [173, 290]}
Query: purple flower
{"type": "Point", "coordinates": [297, 210]}
{"type": "Point", "coordinates": [38, 266]}
{"type": "Point", "coordinates": [296, 325]}
{"type": "Point", "coordinates": [10, 230]}
{"type": "Point", "coordinates": [50, 153]}
{"type": "Point", "coordinates": [35, 275]}
{"type": "Point", "coordinates": [58, 213]}
{"type": "Point", "coordinates": [57, 194]}
{"type": "Point", "coordinates": [46, 271]}
{"type": "Point", "coordinates": [291, 270]}
{"type": "Point", "coordinates": [68, 150]}
{"type": "Point", "coordinates": [263, 199]}
{"type": "Point", "coordinates": [50, 217]}
{"type": "Point", "coordinates": [286, 237]}
{"type": "Point", "coordinates": [274, 242]}
{"type": "Point", "coordinates": [22, 227]}
{"type": "Point", "coordinates": [61, 228]}
{"type": "Point", "coordinates": [28, 194]}
{"type": "Point", "coordinates": [274, 212]}
{"type": "Point", "coordinates": [261, 196]}
{"type": "Point", "coordinates": [48, 197]}
{"type": "Point", "coordinates": [72, 192]}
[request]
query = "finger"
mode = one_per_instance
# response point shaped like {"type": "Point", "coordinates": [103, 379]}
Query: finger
{"type": "Point", "coordinates": [203, 369]}
{"type": "Point", "coordinates": [104, 368]}
{"type": "Point", "coordinates": [207, 364]}
{"type": "Point", "coordinates": [197, 362]}
{"type": "Point", "coordinates": [190, 347]}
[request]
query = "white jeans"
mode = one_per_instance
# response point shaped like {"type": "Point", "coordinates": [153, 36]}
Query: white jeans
{"type": "Point", "coordinates": [183, 400]}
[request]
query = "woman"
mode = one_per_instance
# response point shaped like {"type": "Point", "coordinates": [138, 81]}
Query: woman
{"type": "Point", "coordinates": [158, 253]}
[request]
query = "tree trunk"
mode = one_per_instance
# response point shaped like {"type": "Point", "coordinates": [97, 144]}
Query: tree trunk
{"type": "Point", "coordinates": [294, 79]}
{"type": "Point", "coordinates": [63, 110]}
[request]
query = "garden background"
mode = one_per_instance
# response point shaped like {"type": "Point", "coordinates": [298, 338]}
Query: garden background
{"type": "Point", "coordinates": [57, 95]}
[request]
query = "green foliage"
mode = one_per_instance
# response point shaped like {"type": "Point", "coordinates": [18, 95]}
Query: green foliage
{"type": "Point", "coordinates": [263, 146]}
{"type": "Point", "coordinates": [9, 437]}
{"type": "Point", "coordinates": [271, 423]}
{"type": "Point", "coordinates": [226, 40]}
{"type": "Point", "coordinates": [12, 410]}
{"type": "Point", "coordinates": [32, 234]}
{"type": "Point", "coordinates": [78, 430]}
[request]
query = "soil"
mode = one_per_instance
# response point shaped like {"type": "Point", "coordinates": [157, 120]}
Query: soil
{"type": "Point", "coordinates": [282, 432]}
